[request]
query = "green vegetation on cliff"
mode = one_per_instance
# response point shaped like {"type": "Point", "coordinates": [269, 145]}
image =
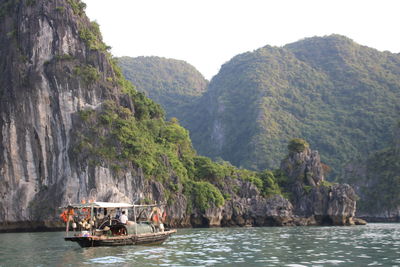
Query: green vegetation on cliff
{"type": "Point", "coordinates": [297, 145]}
{"type": "Point", "coordinates": [77, 6]}
{"type": "Point", "coordinates": [174, 84]}
{"type": "Point", "coordinates": [92, 37]}
{"type": "Point", "coordinates": [114, 136]}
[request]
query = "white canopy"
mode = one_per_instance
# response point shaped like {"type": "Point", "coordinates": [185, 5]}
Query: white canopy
{"type": "Point", "coordinates": [108, 205]}
{"type": "Point", "coordinates": [112, 205]}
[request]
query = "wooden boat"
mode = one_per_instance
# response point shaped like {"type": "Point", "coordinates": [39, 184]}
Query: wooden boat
{"type": "Point", "coordinates": [102, 224]}
{"type": "Point", "coordinates": [133, 239]}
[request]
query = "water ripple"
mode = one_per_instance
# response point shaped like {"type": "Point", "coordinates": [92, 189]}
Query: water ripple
{"type": "Point", "coordinates": [371, 245]}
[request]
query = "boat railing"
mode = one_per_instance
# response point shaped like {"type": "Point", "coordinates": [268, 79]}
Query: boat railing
{"type": "Point", "coordinates": [85, 215]}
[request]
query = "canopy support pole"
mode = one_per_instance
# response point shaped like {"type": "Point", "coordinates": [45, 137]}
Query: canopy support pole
{"type": "Point", "coordinates": [134, 216]}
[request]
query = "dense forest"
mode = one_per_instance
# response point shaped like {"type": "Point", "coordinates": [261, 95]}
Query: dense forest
{"type": "Point", "coordinates": [340, 96]}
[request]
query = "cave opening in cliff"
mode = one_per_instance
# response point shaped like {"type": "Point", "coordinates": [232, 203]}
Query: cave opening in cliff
{"type": "Point", "coordinates": [326, 220]}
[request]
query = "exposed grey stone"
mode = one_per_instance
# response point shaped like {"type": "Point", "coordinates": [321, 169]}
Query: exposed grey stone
{"type": "Point", "coordinates": [327, 204]}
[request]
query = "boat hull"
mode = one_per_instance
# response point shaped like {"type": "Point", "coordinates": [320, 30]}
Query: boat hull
{"type": "Point", "coordinates": [140, 239]}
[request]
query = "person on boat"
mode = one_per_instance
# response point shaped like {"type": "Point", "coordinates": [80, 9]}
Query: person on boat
{"type": "Point", "coordinates": [156, 218]}
{"type": "Point", "coordinates": [118, 213]}
{"type": "Point", "coordinates": [123, 219]}
{"type": "Point", "coordinates": [68, 216]}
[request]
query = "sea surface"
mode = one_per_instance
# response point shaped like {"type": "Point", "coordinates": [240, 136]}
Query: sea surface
{"type": "Point", "coordinates": [371, 245]}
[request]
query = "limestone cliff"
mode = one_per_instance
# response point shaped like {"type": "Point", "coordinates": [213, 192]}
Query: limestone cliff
{"type": "Point", "coordinates": [312, 196]}
{"type": "Point", "coordinates": [48, 73]}
{"type": "Point", "coordinates": [54, 66]}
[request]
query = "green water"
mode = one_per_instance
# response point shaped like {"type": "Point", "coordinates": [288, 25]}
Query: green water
{"type": "Point", "coordinates": [371, 245]}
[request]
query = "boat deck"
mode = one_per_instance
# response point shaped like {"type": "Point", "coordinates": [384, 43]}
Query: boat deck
{"type": "Point", "coordinates": [139, 239]}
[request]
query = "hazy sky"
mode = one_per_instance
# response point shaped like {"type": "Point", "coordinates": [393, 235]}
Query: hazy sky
{"type": "Point", "coordinates": [208, 33]}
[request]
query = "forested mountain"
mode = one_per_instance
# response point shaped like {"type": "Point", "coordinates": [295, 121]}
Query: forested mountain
{"type": "Point", "coordinates": [344, 98]}
{"type": "Point", "coordinates": [340, 96]}
{"type": "Point", "coordinates": [173, 83]}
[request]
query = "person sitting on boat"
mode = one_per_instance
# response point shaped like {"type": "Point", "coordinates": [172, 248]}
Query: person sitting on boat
{"type": "Point", "coordinates": [118, 213]}
{"type": "Point", "coordinates": [123, 219]}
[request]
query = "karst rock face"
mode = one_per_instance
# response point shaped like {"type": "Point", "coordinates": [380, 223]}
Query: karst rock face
{"type": "Point", "coordinates": [247, 207]}
{"type": "Point", "coordinates": [41, 90]}
{"type": "Point", "coordinates": [332, 204]}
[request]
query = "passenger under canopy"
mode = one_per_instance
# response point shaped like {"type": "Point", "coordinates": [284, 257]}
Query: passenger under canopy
{"type": "Point", "coordinates": [98, 204]}
{"type": "Point", "coordinates": [98, 224]}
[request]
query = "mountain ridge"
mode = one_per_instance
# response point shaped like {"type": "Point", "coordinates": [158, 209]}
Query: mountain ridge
{"type": "Point", "coordinates": [277, 74]}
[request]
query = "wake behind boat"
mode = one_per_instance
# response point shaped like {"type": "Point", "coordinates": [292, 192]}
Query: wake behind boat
{"type": "Point", "coordinates": [106, 224]}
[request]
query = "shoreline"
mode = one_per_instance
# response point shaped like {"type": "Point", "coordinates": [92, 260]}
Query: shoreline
{"type": "Point", "coordinates": [372, 219]}
{"type": "Point", "coordinates": [54, 226]}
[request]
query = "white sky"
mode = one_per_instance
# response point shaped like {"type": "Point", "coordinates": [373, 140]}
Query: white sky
{"type": "Point", "coordinates": [208, 33]}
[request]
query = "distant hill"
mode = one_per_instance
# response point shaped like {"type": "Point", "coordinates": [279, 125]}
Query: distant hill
{"type": "Point", "coordinates": [173, 83]}
{"type": "Point", "coordinates": [340, 96]}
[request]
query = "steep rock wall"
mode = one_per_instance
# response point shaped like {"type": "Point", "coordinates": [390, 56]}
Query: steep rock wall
{"type": "Point", "coordinates": [41, 51]}
{"type": "Point", "coordinates": [312, 195]}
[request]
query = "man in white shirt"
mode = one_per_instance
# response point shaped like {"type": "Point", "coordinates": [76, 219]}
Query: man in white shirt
{"type": "Point", "coordinates": [123, 218]}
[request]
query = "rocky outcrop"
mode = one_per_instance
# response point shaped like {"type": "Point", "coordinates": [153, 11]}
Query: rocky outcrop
{"type": "Point", "coordinates": [246, 208]}
{"type": "Point", "coordinates": [304, 167]}
{"type": "Point", "coordinates": [313, 200]}
{"type": "Point", "coordinates": [312, 196]}
{"type": "Point", "coordinates": [320, 203]}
